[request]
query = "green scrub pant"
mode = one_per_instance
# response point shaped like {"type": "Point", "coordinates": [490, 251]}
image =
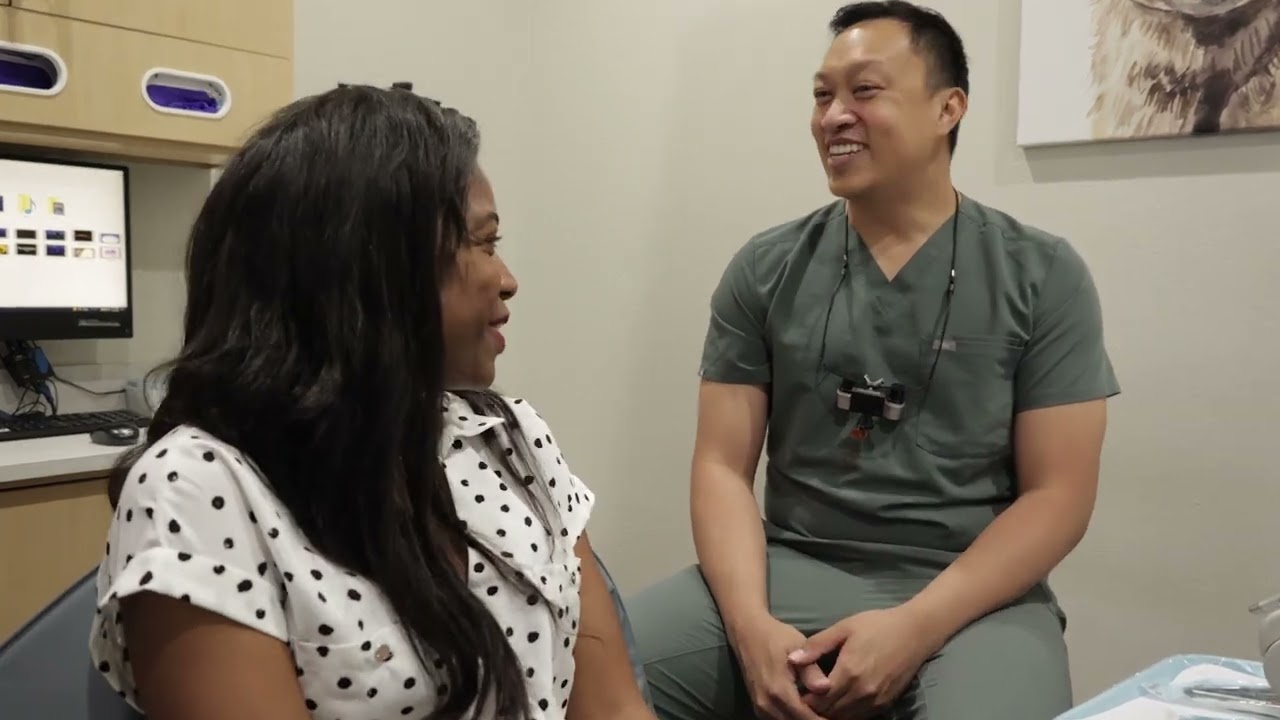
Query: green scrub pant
{"type": "Point", "coordinates": [1009, 665]}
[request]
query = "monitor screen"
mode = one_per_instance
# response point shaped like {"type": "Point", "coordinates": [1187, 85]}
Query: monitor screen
{"type": "Point", "coordinates": [64, 250]}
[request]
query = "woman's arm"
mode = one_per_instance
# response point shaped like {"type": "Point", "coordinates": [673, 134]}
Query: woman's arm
{"type": "Point", "coordinates": [604, 684]}
{"type": "Point", "coordinates": [196, 645]}
{"type": "Point", "coordinates": [191, 664]}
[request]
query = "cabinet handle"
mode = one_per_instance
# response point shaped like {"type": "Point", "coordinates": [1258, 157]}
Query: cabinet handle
{"type": "Point", "coordinates": [31, 70]}
{"type": "Point", "coordinates": [178, 92]}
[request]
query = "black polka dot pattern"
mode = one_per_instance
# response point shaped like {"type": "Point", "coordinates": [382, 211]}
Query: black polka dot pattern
{"type": "Point", "coordinates": [210, 532]}
{"type": "Point", "coordinates": [545, 614]}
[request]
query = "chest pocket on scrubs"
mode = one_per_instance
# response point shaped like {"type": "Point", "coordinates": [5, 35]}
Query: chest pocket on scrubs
{"type": "Point", "coordinates": [969, 409]}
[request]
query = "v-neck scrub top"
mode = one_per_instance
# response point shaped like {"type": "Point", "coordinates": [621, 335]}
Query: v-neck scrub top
{"type": "Point", "coordinates": [197, 522]}
{"type": "Point", "coordinates": [1025, 332]}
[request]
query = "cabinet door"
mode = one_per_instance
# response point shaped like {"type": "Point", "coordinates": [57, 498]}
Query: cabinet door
{"type": "Point", "coordinates": [105, 90]}
{"type": "Point", "coordinates": [261, 26]}
{"type": "Point", "coordinates": [51, 536]}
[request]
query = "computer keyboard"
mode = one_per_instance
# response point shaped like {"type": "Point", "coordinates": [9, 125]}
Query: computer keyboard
{"type": "Point", "coordinates": [42, 426]}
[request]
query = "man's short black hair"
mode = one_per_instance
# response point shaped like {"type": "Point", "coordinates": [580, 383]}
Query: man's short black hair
{"type": "Point", "coordinates": [931, 35]}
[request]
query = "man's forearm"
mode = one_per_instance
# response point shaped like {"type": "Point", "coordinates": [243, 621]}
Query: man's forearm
{"type": "Point", "coordinates": [729, 537]}
{"type": "Point", "coordinates": [1019, 549]}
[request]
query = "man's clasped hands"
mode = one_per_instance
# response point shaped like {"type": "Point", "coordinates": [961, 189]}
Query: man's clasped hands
{"type": "Point", "coordinates": [877, 654]}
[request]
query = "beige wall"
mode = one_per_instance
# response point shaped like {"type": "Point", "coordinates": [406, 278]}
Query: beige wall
{"type": "Point", "coordinates": [658, 136]}
{"type": "Point", "coordinates": [639, 144]}
{"type": "Point", "coordinates": [461, 53]}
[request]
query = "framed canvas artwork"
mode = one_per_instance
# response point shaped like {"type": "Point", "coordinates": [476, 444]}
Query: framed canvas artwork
{"type": "Point", "coordinates": [1096, 70]}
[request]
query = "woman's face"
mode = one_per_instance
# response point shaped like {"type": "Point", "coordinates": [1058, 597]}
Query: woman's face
{"type": "Point", "coordinates": [474, 296]}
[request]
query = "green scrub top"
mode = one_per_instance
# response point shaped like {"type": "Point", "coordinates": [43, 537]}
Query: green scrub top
{"type": "Point", "coordinates": [1025, 332]}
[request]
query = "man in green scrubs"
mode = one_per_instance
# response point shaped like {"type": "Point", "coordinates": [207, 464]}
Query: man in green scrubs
{"type": "Point", "coordinates": [901, 567]}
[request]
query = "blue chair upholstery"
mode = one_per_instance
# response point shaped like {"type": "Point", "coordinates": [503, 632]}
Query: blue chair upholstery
{"type": "Point", "coordinates": [45, 670]}
{"type": "Point", "coordinates": [46, 673]}
{"type": "Point", "coordinates": [627, 633]}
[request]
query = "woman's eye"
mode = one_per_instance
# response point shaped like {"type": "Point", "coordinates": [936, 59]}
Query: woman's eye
{"type": "Point", "coordinates": [488, 244]}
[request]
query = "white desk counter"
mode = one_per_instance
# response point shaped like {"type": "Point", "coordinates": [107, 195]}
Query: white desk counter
{"type": "Point", "coordinates": [43, 460]}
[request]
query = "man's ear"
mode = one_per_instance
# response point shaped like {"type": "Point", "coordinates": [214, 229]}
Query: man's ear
{"type": "Point", "coordinates": [954, 106]}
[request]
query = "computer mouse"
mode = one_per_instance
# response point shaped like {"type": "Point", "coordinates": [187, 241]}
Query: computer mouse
{"type": "Point", "coordinates": [115, 435]}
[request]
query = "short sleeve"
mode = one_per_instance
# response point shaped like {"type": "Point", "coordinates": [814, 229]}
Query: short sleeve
{"type": "Point", "coordinates": [1066, 359]}
{"type": "Point", "coordinates": [569, 494]}
{"type": "Point", "coordinates": [183, 529]}
{"type": "Point", "coordinates": [736, 348]}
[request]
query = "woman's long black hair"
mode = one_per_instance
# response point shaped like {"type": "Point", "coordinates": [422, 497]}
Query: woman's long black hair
{"type": "Point", "coordinates": [313, 344]}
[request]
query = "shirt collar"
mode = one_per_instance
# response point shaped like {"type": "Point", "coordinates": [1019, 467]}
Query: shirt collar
{"type": "Point", "coordinates": [460, 421]}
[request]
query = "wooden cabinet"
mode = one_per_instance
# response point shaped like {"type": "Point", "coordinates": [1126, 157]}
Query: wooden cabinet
{"type": "Point", "coordinates": [50, 536]}
{"type": "Point", "coordinates": [259, 26]}
{"type": "Point", "coordinates": [177, 80]}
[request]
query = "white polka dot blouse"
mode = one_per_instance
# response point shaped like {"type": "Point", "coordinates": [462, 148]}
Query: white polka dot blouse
{"type": "Point", "coordinates": [197, 522]}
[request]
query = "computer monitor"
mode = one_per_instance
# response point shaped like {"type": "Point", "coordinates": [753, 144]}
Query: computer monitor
{"type": "Point", "coordinates": [64, 250]}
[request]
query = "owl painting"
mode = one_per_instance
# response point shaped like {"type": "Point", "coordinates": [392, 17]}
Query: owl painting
{"type": "Point", "coordinates": [1164, 68]}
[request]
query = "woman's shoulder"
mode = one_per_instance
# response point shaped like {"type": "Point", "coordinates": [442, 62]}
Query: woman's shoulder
{"type": "Point", "coordinates": [191, 490]}
{"type": "Point", "coordinates": [195, 521]}
{"type": "Point", "coordinates": [187, 463]}
{"type": "Point", "coordinates": [189, 439]}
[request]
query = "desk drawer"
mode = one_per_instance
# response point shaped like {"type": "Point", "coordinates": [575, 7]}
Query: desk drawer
{"type": "Point", "coordinates": [106, 68]}
{"type": "Point", "coordinates": [261, 26]}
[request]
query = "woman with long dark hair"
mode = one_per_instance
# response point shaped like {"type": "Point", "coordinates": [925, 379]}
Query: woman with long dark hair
{"type": "Point", "coordinates": [333, 516]}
